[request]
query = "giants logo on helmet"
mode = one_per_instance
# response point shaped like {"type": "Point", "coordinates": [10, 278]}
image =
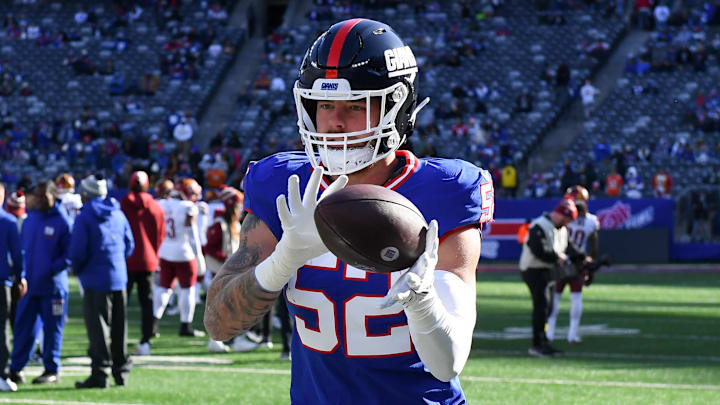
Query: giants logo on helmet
{"type": "Point", "coordinates": [400, 61]}
{"type": "Point", "coordinates": [329, 86]}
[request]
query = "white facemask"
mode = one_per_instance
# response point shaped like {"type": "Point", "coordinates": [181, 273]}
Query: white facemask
{"type": "Point", "coordinates": [332, 158]}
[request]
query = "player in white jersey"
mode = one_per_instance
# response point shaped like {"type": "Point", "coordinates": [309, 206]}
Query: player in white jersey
{"type": "Point", "coordinates": [213, 209]}
{"type": "Point", "coordinates": [69, 202]}
{"type": "Point", "coordinates": [180, 254]}
{"type": "Point", "coordinates": [584, 233]}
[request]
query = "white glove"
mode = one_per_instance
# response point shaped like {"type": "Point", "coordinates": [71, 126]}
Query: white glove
{"type": "Point", "coordinates": [413, 288]}
{"type": "Point", "coordinates": [440, 313]}
{"type": "Point", "coordinates": [300, 241]}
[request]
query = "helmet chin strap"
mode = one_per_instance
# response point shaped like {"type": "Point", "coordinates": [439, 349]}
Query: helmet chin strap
{"type": "Point", "coordinates": [417, 110]}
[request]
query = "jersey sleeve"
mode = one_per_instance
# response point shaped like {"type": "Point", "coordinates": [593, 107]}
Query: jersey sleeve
{"type": "Point", "coordinates": [191, 209]}
{"type": "Point", "coordinates": [462, 195]}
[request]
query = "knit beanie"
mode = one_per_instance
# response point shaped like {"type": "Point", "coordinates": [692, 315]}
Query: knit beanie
{"type": "Point", "coordinates": [94, 186]}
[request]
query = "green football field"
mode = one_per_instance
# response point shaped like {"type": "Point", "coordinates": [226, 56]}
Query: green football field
{"type": "Point", "coordinates": [649, 338]}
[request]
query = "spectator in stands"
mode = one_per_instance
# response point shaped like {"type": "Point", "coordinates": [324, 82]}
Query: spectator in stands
{"type": "Point", "coordinates": [183, 133]}
{"type": "Point", "coordinates": [644, 154]}
{"type": "Point", "coordinates": [147, 222]}
{"type": "Point", "coordinates": [7, 87]}
{"type": "Point", "coordinates": [149, 83]}
{"type": "Point", "coordinates": [569, 178]}
{"type": "Point", "coordinates": [25, 90]}
{"type": "Point", "coordinates": [277, 85]}
{"type": "Point", "coordinates": [633, 184]}
{"type": "Point", "coordinates": [81, 16]}
{"type": "Point", "coordinates": [216, 12]}
{"type": "Point", "coordinates": [562, 75]}
{"type": "Point", "coordinates": [524, 102]}
{"type": "Point", "coordinates": [662, 184]}
{"type": "Point", "coordinates": [101, 241]}
{"type": "Point", "coordinates": [263, 81]}
{"type": "Point", "coordinates": [643, 10]}
{"type": "Point", "coordinates": [702, 153]}
{"type": "Point", "coordinates": [509, 180]}
{"type": "Point", "coordinates": [613, 183]}
{"type": "Point", "coordinates": [701, 217]}
{"type": "Point", "coordinates": [588, 93]}
{"type": "Point", "coordinates": [662, 13]}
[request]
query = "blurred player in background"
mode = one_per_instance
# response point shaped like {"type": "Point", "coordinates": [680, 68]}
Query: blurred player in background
{"type": "Point", "coordinates": [69, 202]}
{"type": "Point", "coordinates": [223, 239]}
{"type": "Point", "coordinates": [359, 337]}
{"type": "Point", "coordinates": [583, 232]}
{"type": "Point", "coordinates": [180, 254]}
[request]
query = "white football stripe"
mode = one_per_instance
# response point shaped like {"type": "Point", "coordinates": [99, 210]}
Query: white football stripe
{"type": "Point", "coordinates": [51, 402]}
{"type": "Point", "coordinates": [591, 383]}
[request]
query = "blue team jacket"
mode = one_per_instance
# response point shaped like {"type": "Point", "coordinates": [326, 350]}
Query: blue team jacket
{"type": "Point", "coordinates": [46, 241]}
{"type": "Point", "coordinates": [101, 240]}
{"type": "Point", "coordinates": [9, 248]}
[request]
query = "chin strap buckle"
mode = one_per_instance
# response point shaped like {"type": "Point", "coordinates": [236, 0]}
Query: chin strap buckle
{"type": "Point", "coordinates": [417, 110]}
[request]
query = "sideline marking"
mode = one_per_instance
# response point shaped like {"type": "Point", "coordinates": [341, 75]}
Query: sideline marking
{"type": "Point", "coordinates": [592, 383]}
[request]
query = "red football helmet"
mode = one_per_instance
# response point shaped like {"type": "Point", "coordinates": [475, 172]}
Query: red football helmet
{"type": "Point", "coordinates": [580, 195]}
{"type": "Point", "coordinates": [231, 196]}
{"type": "Point", "coordinates": [163, 188]}
{"type": "Point", "coordinates": [140, 178]}
{"type": "Point", "coordinates": [65, 183]}
{"type": "Point", "coordinates": [190, 189]}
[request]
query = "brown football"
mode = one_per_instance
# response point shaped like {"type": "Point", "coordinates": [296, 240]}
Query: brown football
{"type": "Point", "coordinates": [371, 228]}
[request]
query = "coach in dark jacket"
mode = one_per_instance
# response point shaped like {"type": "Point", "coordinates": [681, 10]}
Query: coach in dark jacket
{"type": "Point", "coordinates": [547, 245]}
{"type": "Point", "coordinates": [101, 240]}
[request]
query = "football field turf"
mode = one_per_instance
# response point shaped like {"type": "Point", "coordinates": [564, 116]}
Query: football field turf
{"type": "Point", "coordinates": [648, 338]}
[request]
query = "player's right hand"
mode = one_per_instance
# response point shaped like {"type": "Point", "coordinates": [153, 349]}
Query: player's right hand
{"type": "Point", "coordinates": [297, 216]}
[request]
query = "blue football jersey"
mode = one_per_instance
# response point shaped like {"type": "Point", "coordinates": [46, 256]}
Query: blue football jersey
{"type": "Point", "coordinates": [345, 348]}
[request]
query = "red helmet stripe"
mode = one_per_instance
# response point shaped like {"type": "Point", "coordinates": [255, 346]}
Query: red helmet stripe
{"type": "Point", "coordinates": [337, 45]}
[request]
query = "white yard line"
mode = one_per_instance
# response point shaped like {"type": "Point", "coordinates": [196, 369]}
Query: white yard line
{"type": "Point", "coordinates": [619, 356]}
{"type": "Point", "coordinates": [51, 402]}
{"type": "Point", "coordinates": [591, 383]}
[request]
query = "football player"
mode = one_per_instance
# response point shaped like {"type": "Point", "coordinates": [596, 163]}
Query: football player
{"type": "Point", "coordinates": [360, 337]}
{"type": "Point", "coordinates": [180, 254]}
{"type": "Point", "coordinates": [584, 233]}
{"type": "Point", "coordinates": [69, 202]}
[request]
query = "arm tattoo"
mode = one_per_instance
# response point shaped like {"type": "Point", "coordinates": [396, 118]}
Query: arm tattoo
{"type": "Point", "coordinates": [235, 302]}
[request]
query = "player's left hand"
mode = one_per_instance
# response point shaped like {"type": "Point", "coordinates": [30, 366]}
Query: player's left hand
{"type": "Point", "coordinates": [417, 281]}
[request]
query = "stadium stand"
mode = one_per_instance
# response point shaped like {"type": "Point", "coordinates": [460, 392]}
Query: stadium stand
{"type": "Point", "coordinates": [464, 50]}
{"type": "Point", "coordinates": [110, 80]}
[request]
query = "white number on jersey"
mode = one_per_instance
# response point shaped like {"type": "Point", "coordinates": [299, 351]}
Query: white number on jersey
{"type": "Point", "coordinates": [359, 342]}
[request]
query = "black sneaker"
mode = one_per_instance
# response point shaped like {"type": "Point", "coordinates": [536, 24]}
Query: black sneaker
{"type": "Point", "coordinates": [46, 378]}
{"type": "Point", "coordinates": [93, 382]}
{"type": "Point", "coordinates": [18, 377]}
{"type": "Point", "coordinates": [553, 351]}
{"type": "Point", "coordinates": [187, 330]}
{"type": "Point", "coordinates": [539, 351]}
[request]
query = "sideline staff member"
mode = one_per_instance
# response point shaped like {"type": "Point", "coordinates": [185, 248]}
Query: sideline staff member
{"type": "Point", "coordinates": [546, 246]}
